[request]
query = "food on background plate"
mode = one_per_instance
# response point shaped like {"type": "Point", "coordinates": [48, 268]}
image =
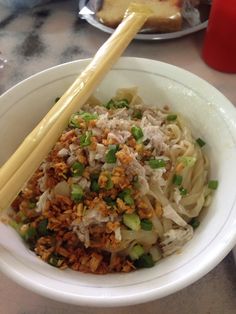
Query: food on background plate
{"type": "Point", "coordinates": [166, 14]}
{"type": "Point", "coordinates": [122, 188]}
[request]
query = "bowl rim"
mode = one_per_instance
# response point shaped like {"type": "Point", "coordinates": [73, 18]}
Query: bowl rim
{"type": "Point", "coordinates": [143, 296]}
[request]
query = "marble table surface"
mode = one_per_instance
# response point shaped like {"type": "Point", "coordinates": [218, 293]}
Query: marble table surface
{"type": "Point", "coordinates": [34, 40]}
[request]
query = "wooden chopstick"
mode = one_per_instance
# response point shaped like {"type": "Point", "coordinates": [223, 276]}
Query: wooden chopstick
{"type": "Point", "coordinates": [27, 158]}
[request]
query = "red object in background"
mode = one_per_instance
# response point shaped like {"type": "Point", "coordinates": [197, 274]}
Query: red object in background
{"type": "Point", "coordinates": [219, 49]}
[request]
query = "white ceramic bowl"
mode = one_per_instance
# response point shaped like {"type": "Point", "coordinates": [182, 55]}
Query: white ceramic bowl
{"type": "Point", "coordinates": [212, 117]}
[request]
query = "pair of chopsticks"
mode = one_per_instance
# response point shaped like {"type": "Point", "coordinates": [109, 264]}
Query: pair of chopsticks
{"type": "Point", "coordinates": [28, 157]}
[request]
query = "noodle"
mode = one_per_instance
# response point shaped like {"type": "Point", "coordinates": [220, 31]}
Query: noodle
{"type": "Point", "coordinates": [118, 191]}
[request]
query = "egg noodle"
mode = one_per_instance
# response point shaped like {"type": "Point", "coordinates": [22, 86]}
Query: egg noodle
{"type": "Point", "coordinates": [121, 189]}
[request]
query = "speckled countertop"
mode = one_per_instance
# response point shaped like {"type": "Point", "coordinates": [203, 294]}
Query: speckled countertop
{"type": "Point", "coordinates": [34, 40]}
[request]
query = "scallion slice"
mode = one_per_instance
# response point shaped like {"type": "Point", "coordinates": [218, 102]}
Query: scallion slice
{"type": "Point", "coordinates": [200, 142]}
{"type": "Point", "coordinates": [110, 157]}
{"type": "Point", "coordinates": [86, 116]}
{"type": "Point", "coordinates": [54, 259]}
{"type": "Point", "coordinates": [125, 195]}
{"type": "Point", "coordinates": [76, 192]}
{"type": "Point", "coordinates": [73, 122]}
{"type": "Point", "coordinates": [213, 184]}
{"type": "Point", "coordinates": [42, 227]}
{"type": "Point", "coordinates": [171, 117]}
{"type": "Point", "coordinates": [128, 199]}
{"type": "Point", "coordinates": [145, 261]}
{"type": "Point", "coordinates": [137, 114]}
{"type": "Point", "coordinates": [123, 103]}
{"type": "Point", "coordinates": [117, 104]}
{"type": "Point", "coordinates": [136, 132]}
{"type": "Point", "coordinates": [187, 161]}
{"type": "Point", "coordinates": [30, 234]}
{"type": "Point", "coordinates": [132, 221]}
{"type": "Point", "coordinates": [157, 163]}
{"type": "Point", "coordinates": [136, 252]}
{"type": "Point", "coordinates": [85, 139]}
{"type": "Point", "coordinates": [146, 142]}
{"type": "Point", "coordinates": [194, 223]}
{"type": "Point", "coordinates": [183, 191]}
{"type": "Point", "coordinates": [146, 224]}
{"type": "Point", "coordinates": [109, 184]}
{"type": "Point", "coordinates": [77, 169]}
{"type": "Point", "coordinates": [177, 180]}
{"type": "Point", "coordinates": [94, 186]}
{"type": "Point", "coordinates": [32, 204]}
{"type": "Point", "coordinates": [110, 201]}
{"type": "Point", "coordinates": [15, 225]}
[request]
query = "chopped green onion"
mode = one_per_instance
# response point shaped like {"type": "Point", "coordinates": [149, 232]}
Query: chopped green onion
{"type": "Point", "coordinates": [136, 252]}
{"type": "Point", "coordinates": [213, 184]}
{"type": "Point", "coordinates": [132, 221]}
{"type": "Point", "coordinates": [110, 201]}
{"type": "Point", "coordinates": [22, 217]}
{"type": "Point", "coordinates": [128, 199]}
{"type": "Point", "coordinates": [136, 132]}
{"type": "Point", "coordinates": [157, 163]}
{"type": "Point", "coordinates": [123, 103]}
{"type": "Point", "coordinates": [32, 204]}
{"type": "Point", "coordinates": [125, 195]}
{"type": "Point", "coordinates": [122, 194]}
{"type": "Point", "coordinates": [117, 104]}
{"type": "Point", "coordinates": [94, 176]}
{"type": "Point", "coordinates": [187, 161]}
{"type": "Point", "coordinates": [86, 116]}
{"type": "Point", "coordinates": [137, 114]}
{"type": "Point", "coordinates": [54, 259]}
{"type": "Point", "coordinates": [73, 122]}
{"type": "Point", "coordinates": [145, 261]}
{"type": "Point", "coordinates": [183, 191]}
{"type": "Point", "coordinates": [194, 223]}
{"type": "Point", "coordinates": [109, 104]}
{"type": "Point", "coordinates": [146, 224]}
{"type": "Point", "coordinates": [109, 184]}
{"type": "Point", "coordinates": [76, 192]}
{"type": "Point", "coordinates": [110, 157]}
{"type": "Point", "coordinates": [42, 227]}
{"type": "Point", "coordinates": [94, 187]}
{"type": "Point", "coordinates": [146, 142]}
{"type": "Point", "coordinates": [15, 225]}
{"type": "Point", "coordinates": [30, 234]}
{"type": "Point", "coordinates": [177, 180]}
{"type": "Point", "coordinates": [171, 117]}
{"type": "Point", "coordinates": [77, 169]}
{"type": "Point", "coordinates": [200, 142]}
{"type": "Point", "coordinates": [85, 139]}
